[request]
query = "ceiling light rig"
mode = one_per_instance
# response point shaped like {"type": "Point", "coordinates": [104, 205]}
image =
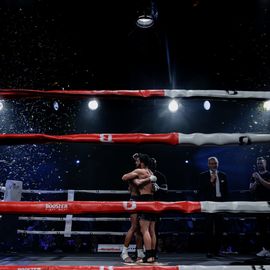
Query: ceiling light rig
{"type": "Point", "coordinates": [147, 15]}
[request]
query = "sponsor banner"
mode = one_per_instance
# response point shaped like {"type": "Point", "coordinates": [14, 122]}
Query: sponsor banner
{"type": "Point", "coordinates": [114, 248]}
{"type": "Point", "coordinates": [56, 206]}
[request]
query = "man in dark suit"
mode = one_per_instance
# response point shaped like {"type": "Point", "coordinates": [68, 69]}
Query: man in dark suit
{"type": "Point", "coordinates": [213, 183]}
{"type": "Point", "coordinates": [213, 187]}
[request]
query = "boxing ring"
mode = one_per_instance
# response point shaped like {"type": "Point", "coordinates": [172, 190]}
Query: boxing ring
{"type": "Point", "coordinates": [72, 207]}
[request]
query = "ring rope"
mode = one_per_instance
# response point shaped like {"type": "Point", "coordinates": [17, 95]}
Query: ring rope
{"type": "Point", "coordinates": [73, 219]}
{"type": "Point", "coordinates": [97, 233]}
{"type": "Point", "coordinates": [99, 191]}
{"type": "Point", "coordinates": [98, 219]}
{"type": "Point", "coordinates": [173, 93]}
{"type": "Point", "coordinates": [114, 233]}
{"type": "Point", "coordinates": [147, 267]}
{"type": "Point", "coordinates": [100, 207]}
{"type": "Point", "coordinates": [72, 232]}
{"type": "Point", "coordinates": [80, 207]}
{"type": "Point", "coordinates": [172, 138]}
{"type": "Point", "coordinates": [34, 191]}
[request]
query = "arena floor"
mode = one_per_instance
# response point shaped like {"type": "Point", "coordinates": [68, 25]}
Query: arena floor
{"type": "Point", "coordinates": [114, 260]}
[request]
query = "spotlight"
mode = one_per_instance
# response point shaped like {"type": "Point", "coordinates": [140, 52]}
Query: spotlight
{"type": "Point", "coordinates": [266, 105]}
{"type": "Point", "coordinates": [147, 13]}
{"type": "Point", "coordinates": [173, 106]}
{"type": "Point", "coordinates": [186, 161]}
{"type": "Point", "coordinates": [93, 105]}
{"type": "Point", "coordinates": [56, 105]}
{"type": "Point", "coordinates": [77, 161]}
{"type": "Point", "coordinates": [207, 105]}
{"type": "Point", "coordinates": [145, 21]}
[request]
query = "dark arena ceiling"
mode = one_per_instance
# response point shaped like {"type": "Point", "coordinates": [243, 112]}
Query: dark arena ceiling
{"type": "Point", "coordinates": [194, 44]}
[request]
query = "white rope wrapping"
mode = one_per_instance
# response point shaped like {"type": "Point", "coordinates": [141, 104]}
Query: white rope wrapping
{"type": "Point", "coordinates": [32, 191]}
{"type": "Point", "coordinates": [73, 219]}
{"type": "Point", "coordinates": [68, 220]}
{"type": "Point", "coordinates": [159, 266]}
{"type": "Point", "coordinates": [223, 267]}
{"type": "Point", "coordinates": [111, 233]}
{"type": "Point", "coordinates": [235, 207]}
{"type": "Point", "coordinates": [40, 192]}
{"type": "Point", "coordinates": [222, 138]}
{"type": "Point", "coordinates": [98, 219]}
{"type": "Point", "coordinates": [217, 94]}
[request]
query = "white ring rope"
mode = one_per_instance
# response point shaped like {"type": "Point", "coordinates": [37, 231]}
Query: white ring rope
{"type": "Point", "coordinates": [40, 192]}
{"type": "Point", "coordinates": [148, 267]}
{"type": "Point", "coordinates": [221, 267]}
{"type": "Point", "coordinates": [217, 94]}
{"type": "Point", "coordinates": [72, 232]}
{"type": "Point", "coordinates": [96, 233]}
{"type": "Point", "coordinates": [33, 191]}
{"type": "Point", "coordinates": [98, 219]}
{"type": "Point", "coordinates": [222, 138]}
{"type": "Point", "coordinates": [235, 207]}
{"type": "Point", "coordinates": [73, 219]}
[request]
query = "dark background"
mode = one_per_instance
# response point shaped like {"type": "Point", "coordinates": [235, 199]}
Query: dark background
{"type": "Point", "coordinates": [195, 44]}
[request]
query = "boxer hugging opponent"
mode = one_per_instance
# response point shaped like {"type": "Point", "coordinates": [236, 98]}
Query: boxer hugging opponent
{"type": "Point", "coordinates": [141, 185]}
